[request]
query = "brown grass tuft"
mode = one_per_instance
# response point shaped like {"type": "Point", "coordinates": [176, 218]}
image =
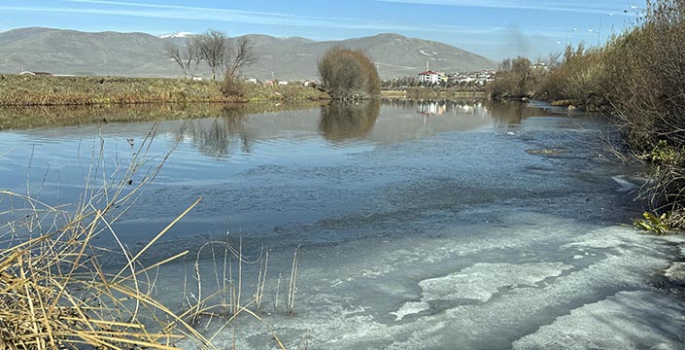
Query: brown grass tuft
{"type": "Point", "coordinates": [55, 294]}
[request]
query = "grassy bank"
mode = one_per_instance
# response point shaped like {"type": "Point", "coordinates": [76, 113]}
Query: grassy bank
{"type": "Point", "coordinates": [637, 77]}
{"type": "Point", "coordinates": [26, 90]}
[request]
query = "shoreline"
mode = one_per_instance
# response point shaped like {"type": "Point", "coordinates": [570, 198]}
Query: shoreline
{"type": "Point", "coordinates": [22, 90]}
{"type": "Point", "coordinates": [36, 116]}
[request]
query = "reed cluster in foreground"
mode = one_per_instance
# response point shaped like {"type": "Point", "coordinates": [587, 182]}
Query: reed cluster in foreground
{"type": "Point", "coordinates": [55, 293]}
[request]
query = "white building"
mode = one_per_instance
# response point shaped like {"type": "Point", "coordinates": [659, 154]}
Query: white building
{"type": "Point", "coordinates": [430, 77]}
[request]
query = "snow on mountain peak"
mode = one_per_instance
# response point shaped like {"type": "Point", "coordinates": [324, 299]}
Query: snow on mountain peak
{"type": "Point", "coordinates": [176, 35]}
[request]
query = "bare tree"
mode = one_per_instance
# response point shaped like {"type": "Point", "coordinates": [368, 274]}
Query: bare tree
{"type": "Point", "coordinates": [242, 55]}
{"type": "Point", "coordinates": [505, 65]}
{"type": "Point", "coordinates": [188, 57]}
{"type": "Point", "coordinates": [553, 60]}
{"type": "Point", "coordinates": [213, 48]}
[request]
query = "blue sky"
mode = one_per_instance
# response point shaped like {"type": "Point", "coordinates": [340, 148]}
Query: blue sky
{"type": "Point", "coordinates": [493, 28]}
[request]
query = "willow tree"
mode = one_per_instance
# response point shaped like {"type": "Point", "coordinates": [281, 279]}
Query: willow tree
{"type": "Point", "coordinates": [348, 74]}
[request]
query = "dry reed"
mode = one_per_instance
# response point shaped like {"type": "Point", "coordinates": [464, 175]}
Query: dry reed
{"type": "Point", "coordinates": [53, 291]}
{"type": "Point", "coordinates": [55, 294]}
{"type": "Point", "coordinates": [22, 90]}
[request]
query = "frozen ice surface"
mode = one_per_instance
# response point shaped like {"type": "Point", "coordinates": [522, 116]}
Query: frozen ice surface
{"type": "Point", "coordinates": [522, 289]}
{"type": "Point", "coordinates": [481, 281]}
{"type": "Point", "coordinates": [456, 240]}
{"type": "Point", "coordinates": [478, 282]}
{"type": "Point", "coordinates": [409, 308]}
{"type": "Point", "coordinates": [627, 320]}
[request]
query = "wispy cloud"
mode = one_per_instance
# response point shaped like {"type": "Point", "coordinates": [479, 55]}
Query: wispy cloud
{"type": "Point", "coordinates": [146, 10]}
{"type": "Point", "coordinates": [540, 5]}
{"type": "Point", "coordinates": [178, 7]}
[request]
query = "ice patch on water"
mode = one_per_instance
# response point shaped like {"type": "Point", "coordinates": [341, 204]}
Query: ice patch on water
{"type": "Point", "coordinates": [410, 308]}
{"type": "Point", "coordinates": [479, 282]}
{"type": "Point", "coordinates": [613, 237]}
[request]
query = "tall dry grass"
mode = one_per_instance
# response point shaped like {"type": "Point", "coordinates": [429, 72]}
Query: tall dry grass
{"type": "Point", "coordinates": [245, 91]}
{"type": "Point", "coordinates": [26, 90]}
{"type": "Point", "coordinates": [55, 293]}
{"type": "Point", "coordinates": [581, 80]}
{"type": "Point", "coordinates": [649, 69]}
{"type": "Point", "coordinates": [56, 90]}
{"type": "Point", "coordinates": [637, 76]}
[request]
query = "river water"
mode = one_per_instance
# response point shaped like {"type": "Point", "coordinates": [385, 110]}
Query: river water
{"type": "Point", "coordinates": [417, 226]}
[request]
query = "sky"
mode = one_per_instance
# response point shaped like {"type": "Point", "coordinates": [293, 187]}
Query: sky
{"type": "Point", "coordinates": [493, 28]}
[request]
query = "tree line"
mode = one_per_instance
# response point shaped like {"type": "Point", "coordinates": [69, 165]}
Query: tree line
{"type": "Point", "coordinates": [214, 48]}
{"type": "Point", "coordinates": [345, 73]}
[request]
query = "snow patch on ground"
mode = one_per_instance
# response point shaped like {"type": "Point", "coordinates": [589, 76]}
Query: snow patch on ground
{"type": "Point", "coordinates": [176, 35]}
{"type": "Point", "coordinates": [428, 53]}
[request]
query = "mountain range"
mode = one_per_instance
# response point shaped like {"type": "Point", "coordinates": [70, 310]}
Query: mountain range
{"type": "Point", "coordinates": [61, 51]}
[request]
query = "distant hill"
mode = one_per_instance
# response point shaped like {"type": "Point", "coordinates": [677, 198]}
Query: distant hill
{"type": "Point", "coordinates": [138, 54]}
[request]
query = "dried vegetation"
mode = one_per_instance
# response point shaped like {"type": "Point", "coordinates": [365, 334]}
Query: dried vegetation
{"type": "Point", "coordinates": [56, 294]}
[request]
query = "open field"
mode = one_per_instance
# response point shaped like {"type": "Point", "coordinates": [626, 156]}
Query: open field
{"type": "Point", "coordinates": [26, 90]}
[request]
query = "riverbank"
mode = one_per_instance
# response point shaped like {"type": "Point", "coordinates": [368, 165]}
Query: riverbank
{"type": "Point", "coordinates": [635, 77]}
{"type": "Point", "coordinates": [422, 93]}
{"type": "Point", "coordinates": [27, 90]}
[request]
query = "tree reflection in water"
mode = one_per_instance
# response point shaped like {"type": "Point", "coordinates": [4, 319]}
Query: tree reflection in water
{"type": "Point", "coordinates": [341, 121]}
{"type": "Point", "coordinates": [506, 113]}
{"type": "Point", "coordinates": [216, 137]}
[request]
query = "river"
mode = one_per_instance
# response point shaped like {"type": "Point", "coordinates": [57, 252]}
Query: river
{"type": "Point", "coordinates": [470, 225]}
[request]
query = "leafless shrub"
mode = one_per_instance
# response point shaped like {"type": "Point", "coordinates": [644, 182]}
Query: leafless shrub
{"type": "Point", "coordinates": [649, 66]}
{"type": "Point", "coordinates": [349, 74]}
{"type": "Point", "coordinates": [514, 79]}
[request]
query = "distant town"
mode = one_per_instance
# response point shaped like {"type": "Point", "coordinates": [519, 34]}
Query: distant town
{"type": "Point", "coordinates": [426, 78]}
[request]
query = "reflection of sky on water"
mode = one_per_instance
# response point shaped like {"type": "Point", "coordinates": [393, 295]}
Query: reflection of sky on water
{"type": "Point", "coordinates": [409, 224]}
{"type": "Point", "coordinates": [211, 150]}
